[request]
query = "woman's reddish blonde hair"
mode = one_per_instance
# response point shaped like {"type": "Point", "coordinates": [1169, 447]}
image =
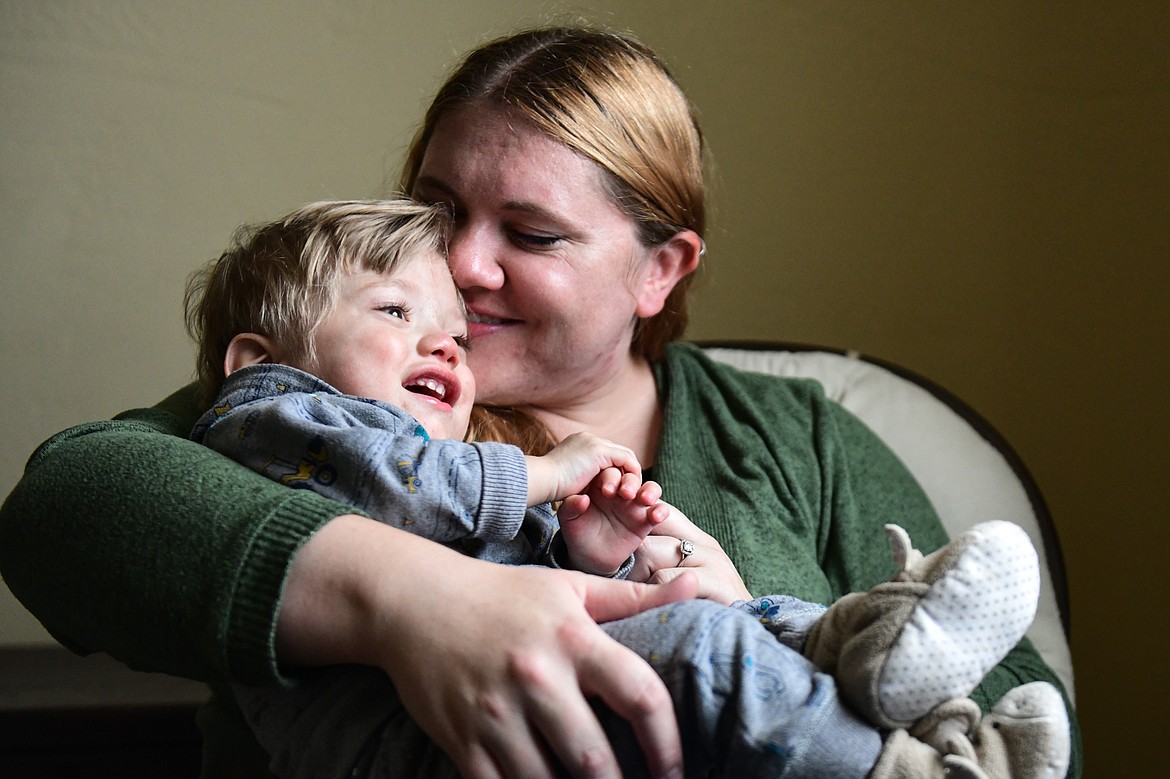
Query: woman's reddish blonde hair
{"type": "Point", "coordinates": [608, 97]}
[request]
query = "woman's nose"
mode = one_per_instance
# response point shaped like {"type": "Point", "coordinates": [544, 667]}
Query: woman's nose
{"type": "Point", "coordinates": [474, 260]}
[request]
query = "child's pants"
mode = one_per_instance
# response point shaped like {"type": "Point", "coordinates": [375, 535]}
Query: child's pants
{"type": "Point", "coordinates": [747, 704]}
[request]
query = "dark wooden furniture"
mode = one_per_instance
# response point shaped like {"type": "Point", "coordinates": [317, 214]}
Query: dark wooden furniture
{"type": "Point", "coordinates": [66, 717]}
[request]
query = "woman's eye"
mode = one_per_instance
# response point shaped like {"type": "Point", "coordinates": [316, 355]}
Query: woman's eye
{"type": "Point", "coordinates": [535, 240]}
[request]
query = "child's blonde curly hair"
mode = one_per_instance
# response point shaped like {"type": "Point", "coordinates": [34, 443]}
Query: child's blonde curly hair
{"type": "Point", "coordinates": [278, 278]}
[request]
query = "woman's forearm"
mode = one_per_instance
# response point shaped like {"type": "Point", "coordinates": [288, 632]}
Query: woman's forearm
{"type": "Point", "coordinates": [347, 585]}
{"type": "Point", "coordinates": [494, 662]}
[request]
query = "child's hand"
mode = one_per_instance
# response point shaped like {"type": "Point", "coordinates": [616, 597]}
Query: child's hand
{"type": "Point", "coordinates": [603, 526]}
{"type": "Point", "coordinates": [574, 463]}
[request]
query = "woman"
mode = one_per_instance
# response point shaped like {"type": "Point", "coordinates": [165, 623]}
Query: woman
{"type": "Point", "coordinates": [573, 165]}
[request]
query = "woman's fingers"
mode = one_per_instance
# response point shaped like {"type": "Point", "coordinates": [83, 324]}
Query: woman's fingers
{"type": "Point", "coordinates": [606, 599]}
{"type": "Point", "coordinates": [513, 722]}
{"type": "Point", "coordinates": [660, 552]}
{"type": "Point", "coordinates": [724, 586]}
{"type": "Point", "coordinates": [555, 719]}
{"type": "Point", "coordinates": [566, 721]}
{"type": "Point", "coordinates": [635, 693]}
{"type": "Point", "coordinates": [661, 559]}
{"type": "Point", "coordinates": [591, 663]}
{"type": "Point", "coordinates": [476, 763]}
{"type": "Point", "coordinates": [630, 484]}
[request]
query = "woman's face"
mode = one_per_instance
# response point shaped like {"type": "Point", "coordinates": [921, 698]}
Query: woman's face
{"type": "Point", "coordinates": [549, 267]}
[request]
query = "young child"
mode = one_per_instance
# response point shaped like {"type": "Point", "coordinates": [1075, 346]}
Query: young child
{"type": "Point", "coordinates": [342, 338]}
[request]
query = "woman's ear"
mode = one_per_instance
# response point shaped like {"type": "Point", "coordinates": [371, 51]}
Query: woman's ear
{"type": "Point", "coordinates": [247, 349]}
{"type": "Point", "coordinates": [670, 263]}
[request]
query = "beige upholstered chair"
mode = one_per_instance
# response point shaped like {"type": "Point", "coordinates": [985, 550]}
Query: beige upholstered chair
{"type": "Point", "coordinates": [968, 470]}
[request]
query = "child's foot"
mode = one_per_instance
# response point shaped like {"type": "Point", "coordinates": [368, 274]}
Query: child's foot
{"type": "Point", "coordinates": [932, 633]}
{"type": "Point", "coordinates": [984, 587]}
{"type": "Point", "coordinates": [1026, 735]}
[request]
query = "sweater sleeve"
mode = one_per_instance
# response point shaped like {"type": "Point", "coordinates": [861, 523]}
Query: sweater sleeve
{"type": "Point", "coordinates": [377, 458]}
{"type": "Point", "coordinates": [124, 537]}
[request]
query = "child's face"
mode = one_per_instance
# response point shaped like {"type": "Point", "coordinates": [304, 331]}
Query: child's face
{"type": "Point", "coordinates": [399, 338]}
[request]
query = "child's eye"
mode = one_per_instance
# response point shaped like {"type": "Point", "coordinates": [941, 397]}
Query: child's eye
{"type": "Point", "coordinates": [463, 342]}
{"type": "Point", "coordinates": [396, 310]}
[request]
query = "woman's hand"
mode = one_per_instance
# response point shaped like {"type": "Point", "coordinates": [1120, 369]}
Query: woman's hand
{"type": "Point", "coordinates": [494, 662]}
{"type": "Point", "coordinates": [660, 560]}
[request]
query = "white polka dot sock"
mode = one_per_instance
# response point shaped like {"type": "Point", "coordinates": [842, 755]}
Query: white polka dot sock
{"type": "Point", "coordinates": [979, 606]}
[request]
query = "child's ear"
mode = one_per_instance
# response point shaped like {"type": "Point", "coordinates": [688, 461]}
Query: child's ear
{"type": "Point", "coordinates": [670, 263]}
{"type": "Point", "coordinates": [247, 349]}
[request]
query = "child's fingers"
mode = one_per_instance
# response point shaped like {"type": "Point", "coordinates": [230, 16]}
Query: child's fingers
{"type": "Point", "coordinates": [609, 481]}
{"type": "Point", "coordinates": [630, 484]}
{"type": "Point", "coordinates": [623, 458]}
{"type": "Point", "coordinates": [657, 514]}
{"type": "Point", "coordinates": [572, 508]}
{"type": "Point", "coordinates": [649, 493]}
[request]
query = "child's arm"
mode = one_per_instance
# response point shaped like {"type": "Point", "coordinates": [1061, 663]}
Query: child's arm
{"type": "Point", "coordinates": [603, 526]}
{"type": "Point", "coordinates": [373, 457]}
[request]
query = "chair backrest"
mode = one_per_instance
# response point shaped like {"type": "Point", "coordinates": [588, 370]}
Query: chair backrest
{"type": "Point", "coordinates": [968, 470]}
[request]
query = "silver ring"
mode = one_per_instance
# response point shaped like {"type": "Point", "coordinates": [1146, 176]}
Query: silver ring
{"type": "Point", "coordinates": [686, 549]}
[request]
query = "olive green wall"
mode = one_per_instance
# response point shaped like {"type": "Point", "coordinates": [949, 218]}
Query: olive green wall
{"type": "Point", "coordinates": [979, 192]}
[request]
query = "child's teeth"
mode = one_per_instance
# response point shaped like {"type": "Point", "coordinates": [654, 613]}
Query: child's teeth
{"type": "Point", "coordinates": [433, 386]}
